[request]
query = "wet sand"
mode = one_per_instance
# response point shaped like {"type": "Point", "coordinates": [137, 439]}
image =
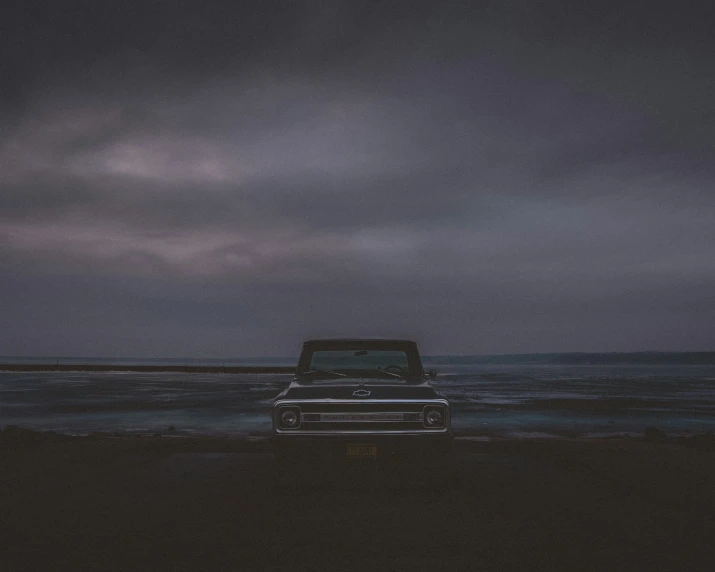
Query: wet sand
{"type": "Point", "coordinates": [217, 504]}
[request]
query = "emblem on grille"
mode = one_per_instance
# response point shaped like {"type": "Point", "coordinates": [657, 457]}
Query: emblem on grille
{"type": "Point", "coordinates": [361, 393]}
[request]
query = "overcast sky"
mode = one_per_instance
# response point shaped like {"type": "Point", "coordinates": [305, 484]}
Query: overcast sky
{"type": "Point", "coordinates": [225, 179]}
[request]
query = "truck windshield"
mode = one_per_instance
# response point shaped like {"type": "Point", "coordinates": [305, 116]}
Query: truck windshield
{"type": "Point", "coordinates": [387, 363]}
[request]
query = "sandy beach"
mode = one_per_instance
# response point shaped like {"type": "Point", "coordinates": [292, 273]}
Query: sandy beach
{"type": "Point", "coordinates": [163, 503]}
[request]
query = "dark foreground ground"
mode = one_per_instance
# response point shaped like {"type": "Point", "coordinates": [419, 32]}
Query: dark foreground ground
{"type": "Point", "coordinates": [175, 504]}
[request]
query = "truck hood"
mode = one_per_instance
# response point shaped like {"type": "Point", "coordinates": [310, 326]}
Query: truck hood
{"type": "Point", "coordinates": [357, 389]}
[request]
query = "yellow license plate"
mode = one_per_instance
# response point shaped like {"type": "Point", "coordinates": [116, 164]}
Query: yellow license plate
{"type": "Point", "coordinates": [362, 450]}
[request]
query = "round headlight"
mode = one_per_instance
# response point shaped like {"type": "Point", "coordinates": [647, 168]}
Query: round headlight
{"type": "Point", "coordinates": [434, 417]}
{"type": "Point", "coordinates": [289, 419]}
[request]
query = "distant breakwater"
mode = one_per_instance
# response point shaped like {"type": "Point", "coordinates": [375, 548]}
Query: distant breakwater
{"type": "Point", "coordinates": [148, 368]}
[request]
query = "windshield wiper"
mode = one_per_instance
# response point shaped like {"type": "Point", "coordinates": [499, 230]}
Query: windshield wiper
{"type": "Point", "coordinates": [392, 373]}
{"type": "Point", "coordinates": [324, 371]}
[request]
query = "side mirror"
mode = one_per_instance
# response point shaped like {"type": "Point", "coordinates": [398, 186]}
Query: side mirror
{"type": "Point", "coordinates": [431, 374]}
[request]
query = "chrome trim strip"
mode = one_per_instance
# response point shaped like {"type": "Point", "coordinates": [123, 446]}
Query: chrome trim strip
{"type": "Point", "coordinates": [366, 417]}
{"type": "Point", "coordinates": [363, 433]}
{"type": "Point", "coordinates": [297, 402]}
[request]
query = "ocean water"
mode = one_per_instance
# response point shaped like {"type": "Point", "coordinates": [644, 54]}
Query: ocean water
{"type": "Point", "coordinates": [488, 399]}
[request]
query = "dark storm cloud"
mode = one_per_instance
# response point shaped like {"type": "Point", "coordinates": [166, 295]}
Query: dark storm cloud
{"type": "Point", "coordinates": [511, 176]}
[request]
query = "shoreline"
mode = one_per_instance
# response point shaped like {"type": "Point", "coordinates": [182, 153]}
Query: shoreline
{"type": "Point", "coordinates": [13, 437]}
{"type": "Point", "coordinates": [31, 367]}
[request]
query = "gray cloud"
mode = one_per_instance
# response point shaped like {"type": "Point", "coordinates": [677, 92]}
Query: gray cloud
{"type": "Point", "coordinates": [520, 177]}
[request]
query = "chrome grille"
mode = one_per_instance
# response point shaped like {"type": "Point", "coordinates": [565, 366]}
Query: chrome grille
{"type": "Point", "coordinates": [329, 416]}
{"type": "Point", "coordinates": [360, 417]}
